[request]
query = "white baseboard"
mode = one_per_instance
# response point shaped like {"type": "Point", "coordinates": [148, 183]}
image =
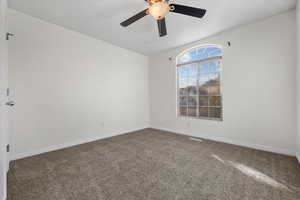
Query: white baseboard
{"type": "Point", "coordinates": [68, 144]}
{"type": "Point", "coordinates": [235, 142]}
{"type": "Point", "coordinates": [218, 139]}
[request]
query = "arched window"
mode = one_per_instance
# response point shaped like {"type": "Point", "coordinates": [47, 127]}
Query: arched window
{"type": "Point", "coordinates": [199, 83]}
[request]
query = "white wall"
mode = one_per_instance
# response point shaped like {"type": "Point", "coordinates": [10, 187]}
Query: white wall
{"type": "Point", "coordinates": [70, 88]}
{"type": "Point", "coordinates": [3, 108]}
{"type": "Point", "coordinates": [259, 87]}
{"type": "Point", "coordinates": [298, 79]}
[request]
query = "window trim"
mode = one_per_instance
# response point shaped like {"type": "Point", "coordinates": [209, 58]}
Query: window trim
{"type": "Point", "coordinates": [215, 58]}
{"type": "Point", "coordinates": [201, 61]}
{"type": "Point", "coordinates": [197, 47]}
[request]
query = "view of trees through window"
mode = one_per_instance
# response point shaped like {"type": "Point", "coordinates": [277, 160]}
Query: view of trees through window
{"type": "Point", "coordinates": [199, 83]}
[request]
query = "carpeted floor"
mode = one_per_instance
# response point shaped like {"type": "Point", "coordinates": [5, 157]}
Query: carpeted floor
{"type": "Point", "coordinates": [155, 165]}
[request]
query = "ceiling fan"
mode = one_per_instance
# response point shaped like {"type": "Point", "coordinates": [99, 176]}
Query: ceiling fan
{"type": "Point", "coordinates": [158, 9]}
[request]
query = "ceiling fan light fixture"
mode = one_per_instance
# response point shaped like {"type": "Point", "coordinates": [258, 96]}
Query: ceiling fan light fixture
{"type": "Point", "coordinates": [159, 10]}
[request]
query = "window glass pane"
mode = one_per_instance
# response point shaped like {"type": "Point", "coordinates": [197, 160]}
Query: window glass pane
{"type": "Point", "coordinates": [203, 111]}
{"type": "Point", "coordinates": [192, 111]}
{"type": "Point", "coordinates": [214, 90]}
{"type": "Point", "coordinates": [214, 101]}
{"type": "Point", "coordinates": [192, 90]}
{"type": "Point", "coordinates": [183, 101]}
{"type": "Point", "coordinates": [214, 51]}
{"type": "Point", "coordinates": [187, 70]}
{"type": "Point", "coordinates": [209, 67]}
{"type": "Point", "coordinates": [183, 111]}
{"type": "Point", "coordinates": [203, 100]}
{"type": "Point", "coordinates": [199, 83]}
{"type": "Point", "coordinates": [203, 90]}
{"type": "Point", "coordinates": [199, 54]}
{"type": "Point", "coordinates": [204, 78]}
{"type": "Point", "coordinates": [183, 72]}
{"type": "Point", "coordinates": [214, 77]}
{"type": "Point", "coordinates": [183, 92]}
{"type": "Point", "coordinates": [187, 57]}
{"type": "Point", "coordinates": [215, 112]}
{"type": "Point", "coordinates": [183, 83]}
{"type": "Point", "coordinates": [192, 86]}
{"type": "Point", "coordinates": [193, 71]}
{"type": "Point", "coordinates": [204, 68]}
{"type": "Point", "coordinates": [214, 66]}
{"type": "Point", "coordinates": [192, 100]}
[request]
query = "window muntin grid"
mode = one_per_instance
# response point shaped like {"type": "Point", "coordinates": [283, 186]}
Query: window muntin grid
{"type": "Point", "coordinates": [199, 85]}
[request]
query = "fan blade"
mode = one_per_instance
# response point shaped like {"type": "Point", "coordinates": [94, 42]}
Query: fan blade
{"type": "Point", "coordinates": [134, 18]}
{"type": "Point", "coordinates": [186, 10]}
{"type": "Point", "coordinates": [162, 28]}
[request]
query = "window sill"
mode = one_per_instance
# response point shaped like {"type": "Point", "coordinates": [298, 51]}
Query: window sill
{"type": "Point", "coordinates": [202, 118]}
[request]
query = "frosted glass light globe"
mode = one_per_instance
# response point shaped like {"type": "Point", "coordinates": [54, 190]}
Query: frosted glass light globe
{"type": "Point", "coordinates": [159, 10]}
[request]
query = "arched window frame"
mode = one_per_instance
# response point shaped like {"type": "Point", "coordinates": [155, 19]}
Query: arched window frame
{"type": "Point", "coordinates": [218, 59]}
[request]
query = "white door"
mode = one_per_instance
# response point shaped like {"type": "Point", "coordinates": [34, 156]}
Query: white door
{"type": "Point", "coordinates": [3, 100]}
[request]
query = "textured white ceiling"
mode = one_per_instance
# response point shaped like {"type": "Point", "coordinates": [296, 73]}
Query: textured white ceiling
{"type": "Point", "coordinates": [101, 19]}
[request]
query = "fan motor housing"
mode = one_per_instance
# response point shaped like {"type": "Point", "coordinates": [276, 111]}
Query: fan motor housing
{"type": "Point", "coordinates": [156, 1]}
{"type": "Point", "coordinates": [158, 9]}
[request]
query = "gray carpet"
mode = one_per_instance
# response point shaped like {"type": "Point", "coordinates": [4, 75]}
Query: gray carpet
{"type": "Point", "coordinates": [155, 165]}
